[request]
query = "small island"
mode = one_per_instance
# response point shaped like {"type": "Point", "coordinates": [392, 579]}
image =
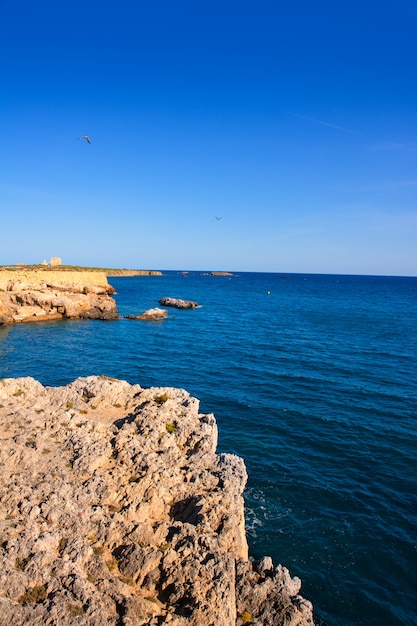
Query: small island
{"type": "Point", "coordinates": [221, 274]}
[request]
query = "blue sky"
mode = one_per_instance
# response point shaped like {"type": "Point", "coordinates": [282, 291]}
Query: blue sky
{"type": "Point", "coordinates": [295, 122]}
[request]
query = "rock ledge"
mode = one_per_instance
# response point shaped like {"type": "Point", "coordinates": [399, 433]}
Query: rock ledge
{"type": "Point", "coordinates": [116, 510]}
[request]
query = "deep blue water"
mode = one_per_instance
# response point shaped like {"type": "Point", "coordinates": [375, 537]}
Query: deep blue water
{"type": "Point", "coordinates": [313, 380]}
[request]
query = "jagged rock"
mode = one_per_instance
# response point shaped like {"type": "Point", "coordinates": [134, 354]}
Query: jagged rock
{"type": "Point", "coordinates": [116, 510]}
{"type": "Point", "coordinates": [150, 315]}
{"type": "Point", "coordinates": [6, 313]}
{"type": "Point", "coordinates": [178, 304]}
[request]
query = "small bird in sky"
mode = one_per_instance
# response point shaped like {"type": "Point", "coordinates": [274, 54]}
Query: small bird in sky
{"type": "Point", "coordinates": [88, 140]}
{"type": "Point", "coordinates": [217, 218]}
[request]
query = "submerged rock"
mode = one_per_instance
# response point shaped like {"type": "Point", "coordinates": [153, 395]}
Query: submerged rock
{"type": "Point", "coordinates": [117, 510]}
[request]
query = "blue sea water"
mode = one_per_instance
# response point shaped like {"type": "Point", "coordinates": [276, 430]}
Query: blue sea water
{"type": "Point", "coordinates": [313, 381]}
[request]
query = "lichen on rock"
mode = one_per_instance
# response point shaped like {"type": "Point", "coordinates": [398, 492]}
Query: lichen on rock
{"type": "Point", "coordinates": [108, 517]}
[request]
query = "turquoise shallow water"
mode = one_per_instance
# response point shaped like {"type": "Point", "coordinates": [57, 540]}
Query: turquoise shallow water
{"type": "Point", "coordinates": [314, 384]}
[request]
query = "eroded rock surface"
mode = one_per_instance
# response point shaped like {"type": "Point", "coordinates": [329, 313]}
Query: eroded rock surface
{"type": "Point", "coordinates": [31, 301]}
{"type": "Point", "coordinates": [116, 510]}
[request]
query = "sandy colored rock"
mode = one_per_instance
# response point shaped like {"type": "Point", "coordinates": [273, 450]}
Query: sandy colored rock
{"type": "Point", "coordinates": [56, 277]}
{"type": "Point", "coordinates": [116, 509]}
{"type": "Point", "coordinates": [45, 296]}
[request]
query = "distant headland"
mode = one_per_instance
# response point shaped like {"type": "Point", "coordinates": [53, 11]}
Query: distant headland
{"type": "Point", "coordinates": [56, 265]}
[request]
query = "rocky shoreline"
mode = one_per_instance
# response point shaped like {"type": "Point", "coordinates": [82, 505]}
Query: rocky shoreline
{"type": "Point", "coordinates": [33, 296]}
{"type": "Point", "coordinates": [116, 510]}
{"type": "Point", "coordinates": [44, 294]}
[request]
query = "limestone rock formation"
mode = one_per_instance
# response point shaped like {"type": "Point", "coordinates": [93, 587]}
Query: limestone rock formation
{"type": "Point", "coordinates": [116, 510]}
{"type": "Point", "coordinates": [36, 300]}
{"type": "Point", "coordinates": [178, 303]}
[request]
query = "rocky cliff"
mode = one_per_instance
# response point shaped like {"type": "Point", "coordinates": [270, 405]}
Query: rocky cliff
{"type": "Point", "coordinates": [116, 510]}
{"type": "Point", "coordinates": [30, 296]}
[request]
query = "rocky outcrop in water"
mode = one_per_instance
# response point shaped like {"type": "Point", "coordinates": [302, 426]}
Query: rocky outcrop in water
{"type": "Point", "coordinates": [178, 303]}
{"type": "Point", "coordinates": [151, 315]}
{"type": "Point", "coordinates": [116, 510]}
{"type": "Point", "coordinates": [221, 274]}
{"type": "Point", "coordinates": [44, 296]}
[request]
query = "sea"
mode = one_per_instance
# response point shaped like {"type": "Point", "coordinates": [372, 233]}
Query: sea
{"type": "Point", "coordinates": [313, 381]}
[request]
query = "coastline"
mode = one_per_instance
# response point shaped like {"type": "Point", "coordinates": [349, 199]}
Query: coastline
{"type": "Point", "coordinates": [16, 271]}
{"type": "Point", "coordinates": [266, 422]}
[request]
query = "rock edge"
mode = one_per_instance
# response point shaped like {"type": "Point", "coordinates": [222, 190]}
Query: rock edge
{"type": "Point", "coordinates": [116, 510]}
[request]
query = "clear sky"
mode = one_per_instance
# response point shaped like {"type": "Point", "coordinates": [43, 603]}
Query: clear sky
{"type": "Point", "coordinates": [295, 122]}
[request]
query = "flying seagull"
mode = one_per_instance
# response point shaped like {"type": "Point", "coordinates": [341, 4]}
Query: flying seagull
{"type": "Point", "coordinates": [217, 218]}
{"type": "Point", "coordinates": [88, 140]}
